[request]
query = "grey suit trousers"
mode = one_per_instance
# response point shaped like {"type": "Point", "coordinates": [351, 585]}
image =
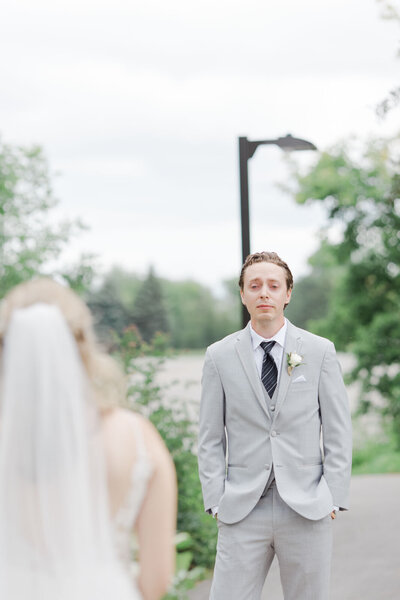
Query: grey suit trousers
{"type": "Point", "coordinates": [246, 549]}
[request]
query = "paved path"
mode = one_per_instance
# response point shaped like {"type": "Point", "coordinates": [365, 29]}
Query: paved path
{"type": "Point", "coordinates": [366, 557]}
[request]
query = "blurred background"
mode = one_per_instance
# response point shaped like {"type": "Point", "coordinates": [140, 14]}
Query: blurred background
{"type": "Point", "coordinates": [119, 176]}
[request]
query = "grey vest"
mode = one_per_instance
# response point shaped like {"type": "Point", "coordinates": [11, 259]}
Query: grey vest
{"type": "Point", "coordinates": [270, 402]}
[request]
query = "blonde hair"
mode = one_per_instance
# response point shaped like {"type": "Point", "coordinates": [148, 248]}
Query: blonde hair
{"type": "Point", "coordinates": [107, 379]}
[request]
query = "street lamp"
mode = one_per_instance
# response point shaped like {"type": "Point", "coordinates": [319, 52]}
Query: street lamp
{"type": "Point", "coordinates": [246, 151]}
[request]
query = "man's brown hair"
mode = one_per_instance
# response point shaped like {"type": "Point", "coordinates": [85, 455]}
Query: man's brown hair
{"type": "Point", "coordinates": [270, 257]}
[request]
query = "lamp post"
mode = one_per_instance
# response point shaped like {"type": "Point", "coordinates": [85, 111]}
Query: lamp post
{"type": "Point", "coordinates": [246, 151]}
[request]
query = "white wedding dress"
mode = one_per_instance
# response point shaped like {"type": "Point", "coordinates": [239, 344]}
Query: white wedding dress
{"type": "Point", "coordinates": [57, 539]}
{"type": "Point", "coordinates": [125, 518]}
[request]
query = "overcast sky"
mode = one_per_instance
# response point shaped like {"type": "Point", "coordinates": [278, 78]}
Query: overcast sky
{"type": "Point", "coordinates": [138, 106]}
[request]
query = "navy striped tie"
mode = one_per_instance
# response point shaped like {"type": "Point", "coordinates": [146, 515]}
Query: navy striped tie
{"type": "Point", "coordinates": [269, 372]}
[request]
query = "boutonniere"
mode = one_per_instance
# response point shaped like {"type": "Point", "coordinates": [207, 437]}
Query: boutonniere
{"type": "Point", "coordinates": [293, 360]}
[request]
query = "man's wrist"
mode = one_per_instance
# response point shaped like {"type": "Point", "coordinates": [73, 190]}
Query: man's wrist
{"type": "Point", "coordinates": [214, 510]}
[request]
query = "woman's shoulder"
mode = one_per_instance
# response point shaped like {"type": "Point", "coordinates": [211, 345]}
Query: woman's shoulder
{"type": "Point", "coordinates": [132, 427]}
{"type": "Point", "coordinates": [128, 421]}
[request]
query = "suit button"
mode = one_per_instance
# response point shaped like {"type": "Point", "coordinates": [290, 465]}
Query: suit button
{"type": "Point", "coordinates": [273, 433]}
{"type": "Point", "coordinates": [266, 467]}
{"type": "Point", "coordinates": [273, 407]}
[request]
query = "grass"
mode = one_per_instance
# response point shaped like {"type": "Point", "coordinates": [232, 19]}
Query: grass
{"type": "Point", "coordinates": [377, 457]}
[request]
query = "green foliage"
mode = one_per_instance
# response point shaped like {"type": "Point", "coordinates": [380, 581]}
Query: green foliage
{"type": "Point", "coordinates": [79, 276]}
{"type": "Point", "coordinates": [392, 100]}
{"type": "Point", "coordinates": [197, 317]}
{"type": "Point", "coordinates": [362, 198]}
{"type": "Point", "coordinates": [185, 577]}
{"type": "Point", "coordinates": [177, 431]}
{"type": "Point", "coordinates": [311, 297]}
{"type": "Point", "coordinates": [190, 308]}
{"type": "Point", "coordinates": [111, 312]}
{"type": "Point", "coordinates": [229, 310]}
{"type": "Point", "coordinates": [27, 240]}
{"type": "Point", "coordinates": [193, 316]}
{"type": "Point", "coordinates": [149, 310]}
{"type": "Point", "coordinates": [377, 456]}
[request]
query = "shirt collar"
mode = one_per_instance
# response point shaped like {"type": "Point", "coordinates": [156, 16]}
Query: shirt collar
{"type": "Point", "coordinates": [279, 337]}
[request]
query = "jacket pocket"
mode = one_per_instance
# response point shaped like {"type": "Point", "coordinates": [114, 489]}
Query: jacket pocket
{"type": "Point", "coordinates": [309, 461]}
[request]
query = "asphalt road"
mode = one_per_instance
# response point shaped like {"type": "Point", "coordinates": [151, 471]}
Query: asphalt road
{"type": "Point", "coordinates": [366, 555]}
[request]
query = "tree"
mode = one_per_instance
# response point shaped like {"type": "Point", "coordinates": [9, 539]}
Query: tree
{"type": "Point", "coordinates": [194, 316]}
{"type": "Point", "coordinates": [311, 297]}
{"type": "Point", "coordinates": [229, 309]}
{"type": "Point", "coordinates": [112, 303]}
{"type": "Point", "coordinates": [79, 276]}
{"type": "Point", "coordinates": [109, 313]}
{"type": "Point", "coordinates": [27, 241]}
{"type": "Point", "coordinates": [362, 197]}
{"type": "Point", "coordinates": [190, 308]}
{"type": "Point", "coordinates": [149, 310]}
{"type": "Point", "coordinates": [392, 100]}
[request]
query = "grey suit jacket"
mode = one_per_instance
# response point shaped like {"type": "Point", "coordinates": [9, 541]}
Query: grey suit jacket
{"type": "Point", "coordinates": [307, 440]}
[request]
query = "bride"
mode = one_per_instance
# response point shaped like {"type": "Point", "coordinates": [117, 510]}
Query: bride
{"type": "Point", "coordinates": [78, 474]}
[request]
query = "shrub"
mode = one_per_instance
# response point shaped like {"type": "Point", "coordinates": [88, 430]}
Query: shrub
{"type": "Point", "coordinates": [177, 430]}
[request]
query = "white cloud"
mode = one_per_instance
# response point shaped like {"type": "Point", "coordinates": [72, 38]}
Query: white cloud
{"type": "Point", "coordinates": [139, 105]}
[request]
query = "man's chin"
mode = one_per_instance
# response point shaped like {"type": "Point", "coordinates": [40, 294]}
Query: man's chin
{"type": "Point", "coordinates": [265, 316]}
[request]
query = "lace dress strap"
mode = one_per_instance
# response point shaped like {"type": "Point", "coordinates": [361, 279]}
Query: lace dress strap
{"type": "Point", "coordinates": [141, 449]}
{"type": "Point", "coordinates": [127, 514]}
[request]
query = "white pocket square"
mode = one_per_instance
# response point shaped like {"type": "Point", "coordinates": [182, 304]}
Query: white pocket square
{"type": "Point", "coordinates": [299, 379]}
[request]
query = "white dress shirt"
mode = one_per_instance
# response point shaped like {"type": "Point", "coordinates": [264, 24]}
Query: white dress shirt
{"type": "Point", "coordinates": [276, 352]}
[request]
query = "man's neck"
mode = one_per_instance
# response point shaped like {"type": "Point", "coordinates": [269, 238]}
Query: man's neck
{"type": "Point", "coordinates": [267, 329]}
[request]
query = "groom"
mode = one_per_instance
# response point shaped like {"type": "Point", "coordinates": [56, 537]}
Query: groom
{"type": "Point", "coordinates": [274, 444]}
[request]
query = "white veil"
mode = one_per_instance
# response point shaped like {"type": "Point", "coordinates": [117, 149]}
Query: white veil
{"type": "Point", "coordinates": [56, 539]}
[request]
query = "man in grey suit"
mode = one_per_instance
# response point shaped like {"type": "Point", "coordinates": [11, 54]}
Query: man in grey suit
{"type": "Point", "coordinates": [274, 444]}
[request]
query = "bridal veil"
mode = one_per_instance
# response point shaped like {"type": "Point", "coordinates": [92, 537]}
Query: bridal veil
{"type": "Point", "coordinates": [56, 534]}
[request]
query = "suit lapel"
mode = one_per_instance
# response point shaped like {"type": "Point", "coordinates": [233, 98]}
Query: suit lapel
{"type": "Point", "coordinates": [245, 351]}
{"type": "Point", "coordinates": [292, 344]}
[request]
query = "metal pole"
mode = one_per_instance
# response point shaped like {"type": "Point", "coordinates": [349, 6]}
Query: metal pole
{"type": "Point", "coordinates": [244, 197]}
{"type": "Point", "coordinates": [244, 208]}
{"type": "Point", "coordinates": [246, 151]}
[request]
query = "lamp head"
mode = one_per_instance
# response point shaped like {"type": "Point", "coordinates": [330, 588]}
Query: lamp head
{"type": "Point", "coordinates": [292, 144]}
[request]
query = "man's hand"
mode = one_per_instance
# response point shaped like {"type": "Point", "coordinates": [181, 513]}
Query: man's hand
{"type": "Point", "coordinates": [333, 514]}
{"type": "Point", "coordinates": [214, 512]}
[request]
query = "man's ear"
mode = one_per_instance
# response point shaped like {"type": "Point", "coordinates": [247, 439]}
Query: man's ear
{"type": "Point", "coordinates": [289, 295]}
{"type": "Point", "coordinates": [241, 297]}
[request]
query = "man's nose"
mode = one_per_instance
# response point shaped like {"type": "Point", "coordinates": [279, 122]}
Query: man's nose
{"type": "Point", "coordinates": [264, 291]}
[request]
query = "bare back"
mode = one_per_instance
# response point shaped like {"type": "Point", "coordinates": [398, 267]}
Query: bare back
{"type": "Point", "coordinates": [142, 496]}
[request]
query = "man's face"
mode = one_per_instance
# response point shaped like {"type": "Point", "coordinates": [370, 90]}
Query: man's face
{"type": "Point", "coordinates": [264, 292]}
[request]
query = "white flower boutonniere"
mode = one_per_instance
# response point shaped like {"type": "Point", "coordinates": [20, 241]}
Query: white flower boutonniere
{"type": "Point", "coordinates": [293, 360]}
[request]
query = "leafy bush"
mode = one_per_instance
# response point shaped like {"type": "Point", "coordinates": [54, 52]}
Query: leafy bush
{"type": "Point", "coordinates": [360, 190]}
{"type": "Point", "coordinates": [142, 362]}
{"type": "Point", "coordinates": [378, 454]}
{"type": "Point", "coordinates": [185, 577]}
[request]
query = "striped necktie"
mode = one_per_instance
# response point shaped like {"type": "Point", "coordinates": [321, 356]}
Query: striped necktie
{"type": "Point", "coordinates": [269, 372]}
